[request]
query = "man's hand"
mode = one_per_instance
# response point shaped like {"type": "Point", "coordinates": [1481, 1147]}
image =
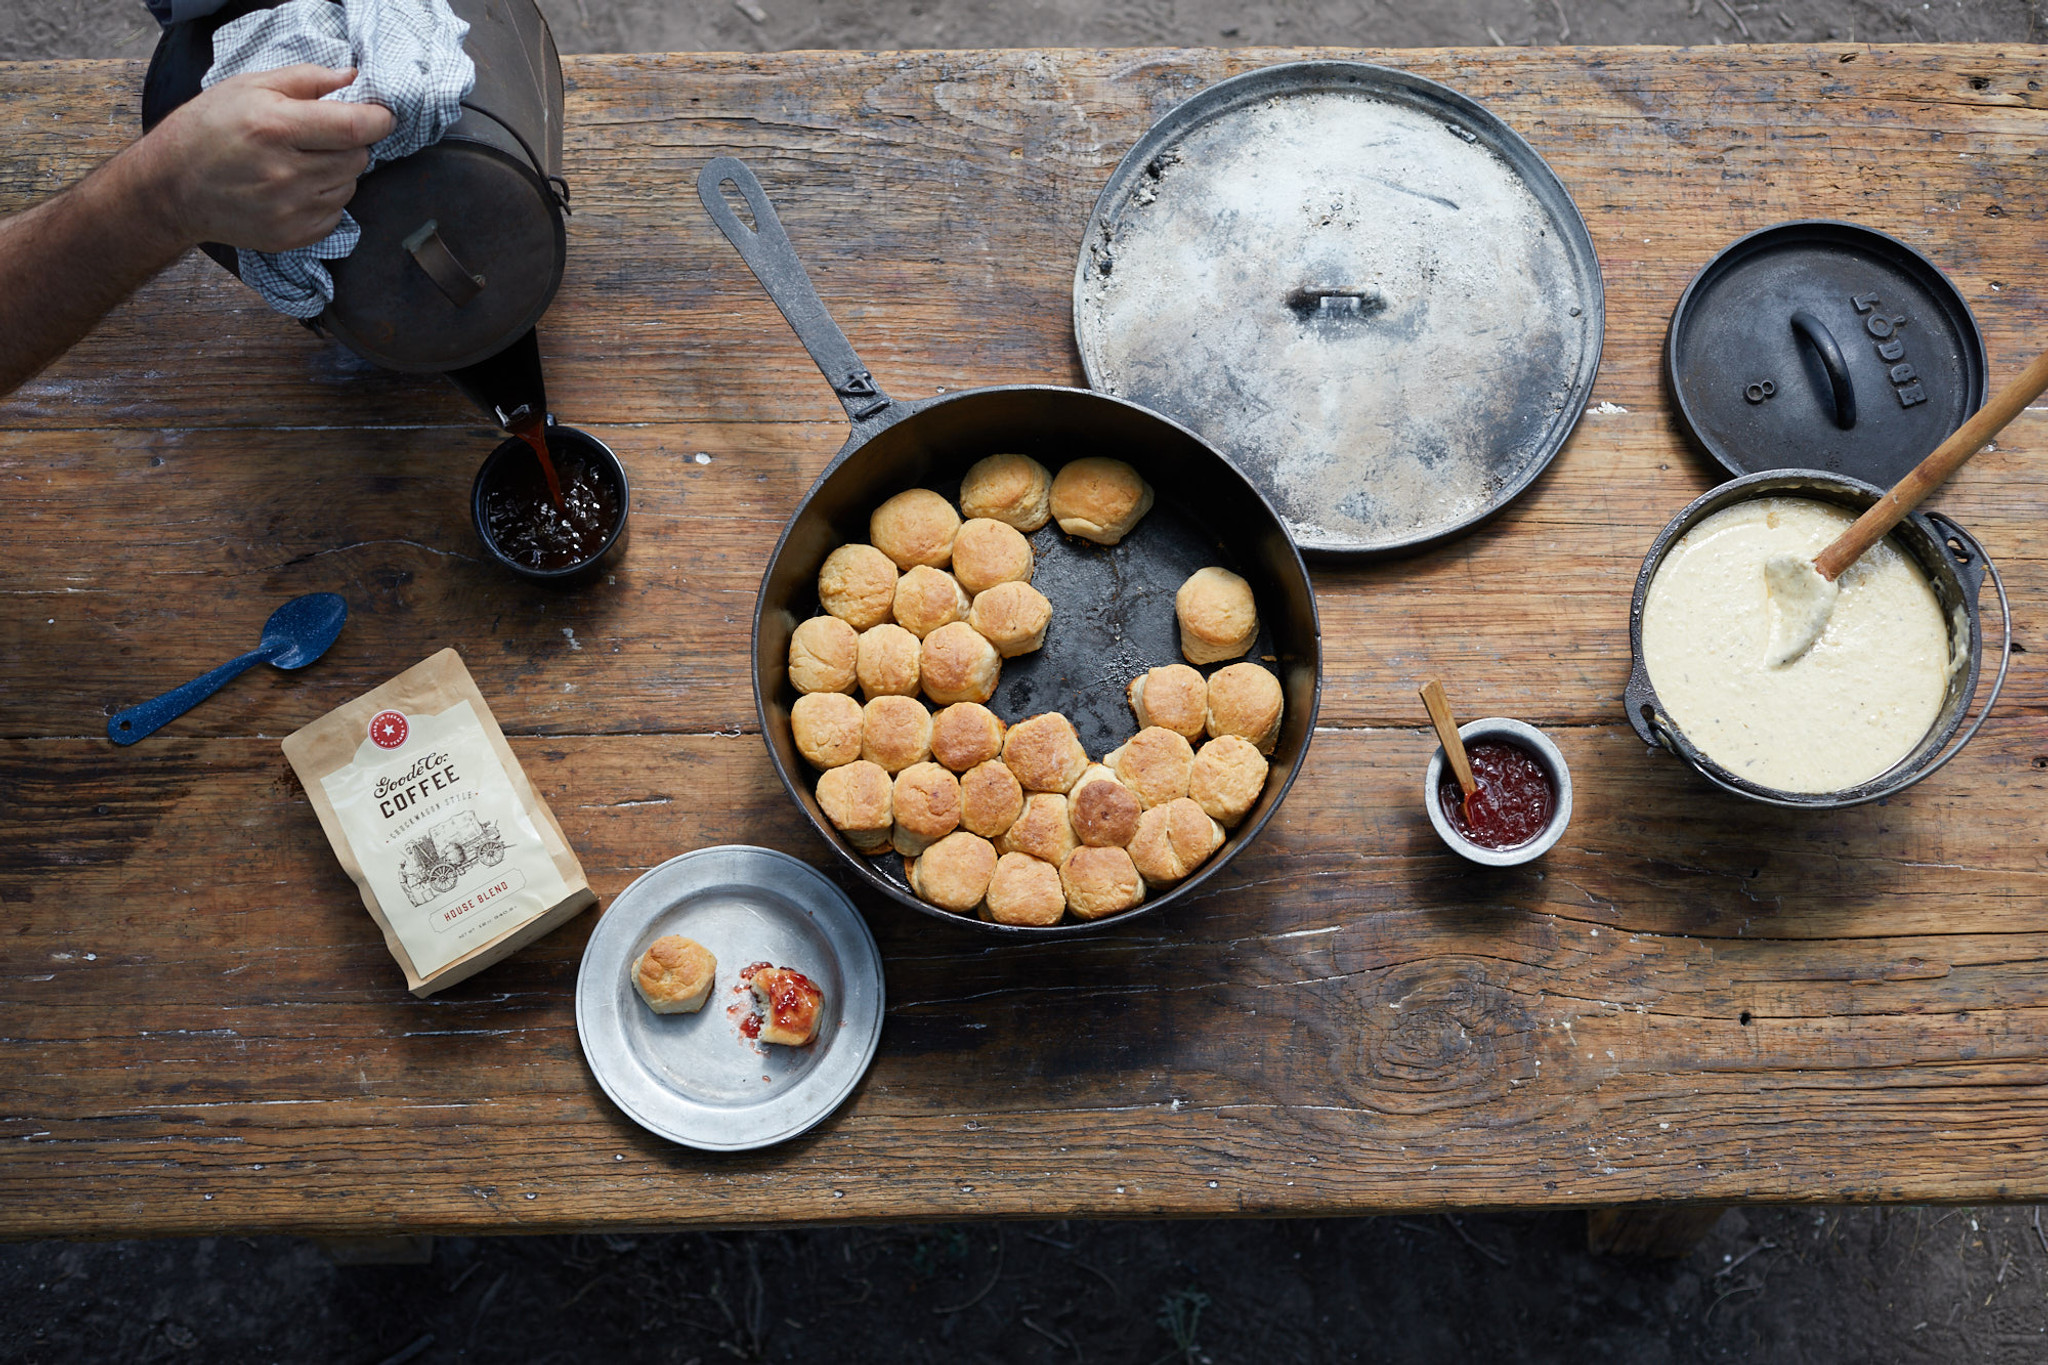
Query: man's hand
{"type": "Point", "coordinates": [261, 161]}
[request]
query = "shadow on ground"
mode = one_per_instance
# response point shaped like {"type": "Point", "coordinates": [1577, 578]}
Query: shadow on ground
{"type": "Point", "coordinates": [1789, 1286]}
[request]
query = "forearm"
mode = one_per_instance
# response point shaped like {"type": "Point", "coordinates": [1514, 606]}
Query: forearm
{"type": "Point", "coordinates": [65, 263]}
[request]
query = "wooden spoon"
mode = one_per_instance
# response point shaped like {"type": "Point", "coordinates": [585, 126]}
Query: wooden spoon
{"type": "Point", "coordinates": [1804, 592]}
{"type": "Point", "coordinates": [1447, 735]}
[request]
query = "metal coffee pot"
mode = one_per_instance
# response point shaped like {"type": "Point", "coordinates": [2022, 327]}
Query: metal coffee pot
{"type": "Point", "coordinates": [463, 242]}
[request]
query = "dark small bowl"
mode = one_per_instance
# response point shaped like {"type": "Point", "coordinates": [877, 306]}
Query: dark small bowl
{"type": "Point", "coordinates": [561, 441]}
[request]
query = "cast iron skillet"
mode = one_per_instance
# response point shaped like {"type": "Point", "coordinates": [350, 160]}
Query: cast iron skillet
{"type": "Point", "coordinates": [1112, 605]}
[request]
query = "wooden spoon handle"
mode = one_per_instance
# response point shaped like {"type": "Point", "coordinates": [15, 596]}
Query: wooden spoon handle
{"type": "Point", "coordinates": [1447, 734]}
{"type": "Point", "coordinates": [1972, 436]}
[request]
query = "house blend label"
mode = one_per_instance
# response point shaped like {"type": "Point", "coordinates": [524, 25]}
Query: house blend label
{"type": "Point", "coordinates": [457, 858]}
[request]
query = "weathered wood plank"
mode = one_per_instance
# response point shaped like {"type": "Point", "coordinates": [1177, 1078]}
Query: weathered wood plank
{"type": "Point", "coordinates": [120, 528]}
{"type": "Point", "coordinates": [1718, 1004]}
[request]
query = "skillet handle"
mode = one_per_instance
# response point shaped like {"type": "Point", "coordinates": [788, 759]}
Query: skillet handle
{"type": "Point", "coordinates": [767, 251]}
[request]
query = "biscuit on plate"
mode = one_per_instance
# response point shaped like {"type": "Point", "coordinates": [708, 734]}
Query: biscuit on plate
{"type": "Point", "coordinates": [1043, 829]}
{"type": "Point", "coordinates": [1228, 775]}
{"type": "Point", "coordinates": [822, 652]}
{"type": "Point", "coordinates": [858, 585]}
{"type": "Point", "coordinates": [1245, 699]}
{"type": "Point", "coordinates": [857, 798]}
{"type": "Point", "coordinates": [991, 799]}
{"type": "Point", "coordinates": [1012, 617]}
{"type": "Point", "coordinates": [826, 727]}
{"type": "Point", "coordinates": [1173, 696]}
{"type": "Point", "coordinates": [674, 975]}
{"type": "Point", "coordinates": [1045, 753]}
{"type": "Point", "coordinates": [966, 733]}
{"type": "Point", "coordinates": [1013, 489]}
{"type": "Point", "coordinates": [928, 598]}
{"type": "Point", "coordinates": [1218, 618]}
{"type": "Point", "coordinates": [987, 552]}
{"type": "Point", "coordinates": [1173, 840]}
{"type": "Point", "coordinates": [1024, 890]}
{"type": "Point", "coordinates": [958, 665]}
{"type": "Point", "coordinates": [1155, 764]}
{"type": "Point", "coordinates": [895, 732]}
{"type": "Point", "coordinates": [1103, 810]}
{"type": "Point", "coordinates": [790, 1004]}
{"type": "Point", "coordinates": [953, 873]}
{"type": "Point", "coordinates": [1099, 499]}
{"type": "Point", "coordinates": [927, 806]}
{"type": "Point", "coordinates": [886, 662]}
{"type": "Point", "coordinates": [1100, 881]}
{"type": "Point", "coordinates": [915, 527]}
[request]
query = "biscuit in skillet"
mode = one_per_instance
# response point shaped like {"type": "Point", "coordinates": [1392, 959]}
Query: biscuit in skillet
{"type": "Point", "coordinates": [1218, 618]}
{"type": "Point", "coordinates": [1013, 489]}
{"type": "Point", "coordinates": [857, 798]}
{"type": "Point", "coordinates": [928, 598]}
{"type": "Point", "coordinates": [954, 872]}
{"type": "Point", "coordinates": [1174, 697]}
{"type": "Point", "coordinates": [1245, 699]}
{"type": "Point", "coordinates": [1172, 841]}
{"type": "Point", "coordinates": [990, 799]}
{"type": "Point", "coordinates": [915, 527]}
{"type": "Point", "coordinates": [1045, 753]}
{"type": "Point", "coordinates": [1100, 881]}
{"type": "Point", "coordinates": [895, 733]}
{"type": "Point", "coordinates": [1155, 764]}
{"type": "Point", "coordinates": [958, 665]}
{"type": "Point", "coordinates": [927, 806]}
{"type": "Point", "coordinates": [987, 552]}
{"type": "Point", "coordinates": [827, 728]}
{"type": "Point", "coordinates": [822, 654]}
{"type": "Point", "coordinates": [966, 733]}
{"type": "Point", "coordinates": [1099, 499]}
{"type": "Point", "coordinates": [1024, 890]}
{"type": "Point", "coordinates": [1228, 775]}
{"type": "Point", "coordinates": [1012, 617]}
{"type": "Point", "coordinates": [858, 585]}
{"type": "Point", "coordinates": [1043, 829]}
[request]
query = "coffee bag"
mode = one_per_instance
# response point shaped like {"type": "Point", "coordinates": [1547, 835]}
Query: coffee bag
{"type": "Point", "coordinates": [458, 860]}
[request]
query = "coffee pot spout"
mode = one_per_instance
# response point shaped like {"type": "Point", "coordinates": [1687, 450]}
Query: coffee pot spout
{"type": "Point", "coordinates": [509, 387]}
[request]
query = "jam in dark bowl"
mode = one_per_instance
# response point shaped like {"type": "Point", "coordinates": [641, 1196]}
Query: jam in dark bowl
{"type": "Point", "coordinates": [528, 529]}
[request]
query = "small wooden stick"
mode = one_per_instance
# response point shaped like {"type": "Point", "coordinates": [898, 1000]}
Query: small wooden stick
{"type": "Point", "coordinates": [1891, 509]}
{"type": "Point", "coordinates": [1447, 734]}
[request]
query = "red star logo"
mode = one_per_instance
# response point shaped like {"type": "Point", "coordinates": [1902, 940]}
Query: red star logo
{"type": "Point", "coordinates": [388, 729]}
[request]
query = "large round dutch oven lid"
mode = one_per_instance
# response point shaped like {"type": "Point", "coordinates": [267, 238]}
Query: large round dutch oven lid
{"type": "Point", "coordinates": [461, 252]}
{"type": "Point", "coordinates": [1823, 345]}
{"type": "Point", "coordinates": [1362, 287]}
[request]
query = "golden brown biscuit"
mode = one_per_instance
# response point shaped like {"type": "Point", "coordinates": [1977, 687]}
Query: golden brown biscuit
{"type": "Point", "coordinates": [1025, 890]}
{"type": "Point", "coordinates": [1174, 697]}
{"type": "Point", "coordinates": [1228, 775]}
{"type": "Point", "coordinates": [915, 527]}
{"type": "Point", "coordinates": [953, 873]}
{"type": "Point", "coordinates": [958, 665]}
{"type": "Point", "coordinates": [1245, 699]}
{"type": "Point", "coordinates": [1099, 500]}
{"type": "Point", "coordinates": [1013, 489]}
{"type": "Point", "coordinates": [675, 974]}
{"type": "Point", "coordinates": [857, 799]}
{"type": "Point", "coordinates": [822, 652]}
{"type": "Point", "coordinates": [1172, 841]}
{"type": "Point", "coordinates": [966, 733]}
{"type": "Point", "coordinates": [988, 552]}
{"type": "Point", "coordinates": [1104, 811]}
{"type": "Point", "coordinates": [826, 727]}
{"type": "Point", "coordinates": [895, 732]}
{"type": "Point", "coordinates": [790, 1004]}
{"type": "Point", "coordinates": [991, 799]}
{"type": "Point", "coordinates": [1155, 764]}
{"type": "Point", "coordinates": [927, 599]}
{"type": "Point", "coordinates": [927, 805]}
{"type": "Point", "coordinates": [1043, 830]}
{"type": "Point", "coordinates": [1045, 753]}
{"type": "Point", "coordinates": [886, 662]}
{"type": "Point", "coordinates": [1012, 617]}
{"type": "Point", "coordinates": [858, 585]}
{"type": "Point", "coordinates": [1218, 619]}
{"type": "Point", "coordinates": [1100, 881]}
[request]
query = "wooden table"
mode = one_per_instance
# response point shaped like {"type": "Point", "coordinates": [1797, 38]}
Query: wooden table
{"type": "Point", "coordinates": [1691, 999]}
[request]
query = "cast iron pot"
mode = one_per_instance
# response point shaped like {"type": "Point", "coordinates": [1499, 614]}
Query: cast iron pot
{"type": "Point", "coordinates": [1206, 513]}
{"type": "Point", "coordinates": [1950, 557]}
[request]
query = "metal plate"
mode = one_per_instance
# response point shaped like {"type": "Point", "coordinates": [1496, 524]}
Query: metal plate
{"type": "Point", "coordinates": [1361, 286]}
{"type": "Point", "coordinates": [1757, 390]}
{"type": "Point", "coordinates": [694, 1078]}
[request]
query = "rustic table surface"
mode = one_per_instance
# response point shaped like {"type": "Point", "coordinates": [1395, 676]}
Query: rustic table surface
{"type": "Point", "coordinates": [1692, 998]}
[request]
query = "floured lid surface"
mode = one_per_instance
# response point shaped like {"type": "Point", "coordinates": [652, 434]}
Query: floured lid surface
{"type": "Point", "coordinates": [1359, 285]}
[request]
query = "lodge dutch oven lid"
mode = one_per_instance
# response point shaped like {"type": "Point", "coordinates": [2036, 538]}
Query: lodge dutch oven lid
{"type": "Point", "coordinates": [1823, 345]}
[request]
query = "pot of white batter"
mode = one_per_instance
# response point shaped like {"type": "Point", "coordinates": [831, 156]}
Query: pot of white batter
{"type": "Point", "coordinates": [1872, 708]}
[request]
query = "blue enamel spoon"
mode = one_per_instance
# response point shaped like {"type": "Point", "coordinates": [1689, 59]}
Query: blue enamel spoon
{"type": "Point", "coordinates": [296, 634]}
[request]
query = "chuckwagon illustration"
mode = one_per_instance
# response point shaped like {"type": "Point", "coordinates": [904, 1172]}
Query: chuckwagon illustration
{"type": "Point", "coordinates": [435, 860]}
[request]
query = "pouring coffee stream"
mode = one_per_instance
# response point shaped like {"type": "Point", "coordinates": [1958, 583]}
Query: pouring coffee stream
{"type": "Point", "coordinates": [1803, 592]}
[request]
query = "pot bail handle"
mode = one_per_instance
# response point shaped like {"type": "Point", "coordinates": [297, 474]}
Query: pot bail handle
{"type": "Point", "coordinates": [1816, 334]}
{"type": "Point", "coordinates": [766, 249]}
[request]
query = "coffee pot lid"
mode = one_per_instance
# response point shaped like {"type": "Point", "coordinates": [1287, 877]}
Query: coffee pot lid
{"type": "Point", "coordinates": [1823, 345]}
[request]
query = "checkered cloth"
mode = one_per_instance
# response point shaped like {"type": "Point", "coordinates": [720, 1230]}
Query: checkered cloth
{"type": "Point", "coordinates": [408, 57]}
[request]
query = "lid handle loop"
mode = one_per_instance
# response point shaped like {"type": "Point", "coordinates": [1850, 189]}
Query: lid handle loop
{"type": "Point", "coordinates": [449, 275]}
{"type": "Point", "coordinates": [1816, 334]}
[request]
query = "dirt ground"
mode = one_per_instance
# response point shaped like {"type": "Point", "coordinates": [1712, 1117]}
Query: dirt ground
{"type": "Point", "coordinates": [1781, 1285]}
